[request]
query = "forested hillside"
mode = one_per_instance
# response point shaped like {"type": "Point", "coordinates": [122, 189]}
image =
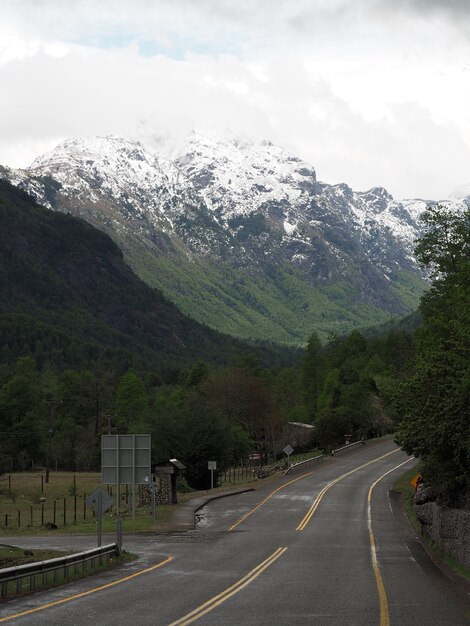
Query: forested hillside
{"type": "Point", "coordinates": [68, 299]}
{"type": "Point", "coordinates": [87, 349]}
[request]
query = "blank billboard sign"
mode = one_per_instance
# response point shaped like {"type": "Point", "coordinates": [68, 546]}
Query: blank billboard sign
{"type": "Point", "coordinates": [125, 459]}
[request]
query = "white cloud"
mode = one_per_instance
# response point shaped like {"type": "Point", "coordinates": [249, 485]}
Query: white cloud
{"type": "Point", "coordinates": [376, 95]}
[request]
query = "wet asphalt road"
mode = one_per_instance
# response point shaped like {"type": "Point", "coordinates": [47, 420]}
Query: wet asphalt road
{"type": "Point", "coordinates": [298, 552]}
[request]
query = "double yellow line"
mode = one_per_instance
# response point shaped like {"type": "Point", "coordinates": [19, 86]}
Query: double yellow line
{"type": "Point", "coordinates": [260, 504]}
{"type": "Point", "coordinates": [230, 591]}
{"type": "Point", "coordinates": [308, 516]}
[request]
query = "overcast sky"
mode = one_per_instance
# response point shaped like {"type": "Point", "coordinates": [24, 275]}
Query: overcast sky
{"type": "Point", "coordinates": [371, 92]}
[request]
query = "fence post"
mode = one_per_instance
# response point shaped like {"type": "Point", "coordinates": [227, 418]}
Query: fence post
{"type": "Point", "coordinates": [75, 508]}
{"type": "Point", "coordinates": [19, 519]}
{"type": "Point", "coordinates": [84, 507]}
{"type": "Point", "coordinates": [65, 511]}
{"type": "Point", "coordinates": [54, 509]}
{"type": "Point", "coordinates": [31, 512]}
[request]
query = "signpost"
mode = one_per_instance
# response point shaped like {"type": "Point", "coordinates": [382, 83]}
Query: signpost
{"type": "Point", "coordinates": [153, 492]}
{"type": "Point", "coordinates": [101, 502]}
{"type": "Point", "coordinates": [288, 450]}
{"type": "Point", "coordinates": [125, 459]}
{"type": "Point", "coordinates": [212, 465]}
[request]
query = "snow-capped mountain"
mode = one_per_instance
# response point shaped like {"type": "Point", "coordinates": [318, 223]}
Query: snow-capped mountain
{"type": "Point", "coordinates": [193, 224]}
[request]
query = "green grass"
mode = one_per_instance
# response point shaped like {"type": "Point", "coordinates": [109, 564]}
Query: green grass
{"type": "Point", "coordinates": [11, 556]}
{"type": "Point", "coordinates": [46, 580]}
{"type": "Point", "coordinates": [406, 491]}
{"type": "Point", "coordinates": [21, 493]}
{"type": "Point", "coordinates": [304, 456]}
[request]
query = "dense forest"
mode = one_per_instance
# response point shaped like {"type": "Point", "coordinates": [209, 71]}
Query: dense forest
{"type": "Point", "coordinates": [434, 401]}
{"type": "Point", "coordinates": [73, 368]}
{"type": "Point", "coordinates": [210, 412]}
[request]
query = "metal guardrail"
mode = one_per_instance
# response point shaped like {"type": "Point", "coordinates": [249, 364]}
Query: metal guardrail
{"type": "Point", "coordinates": [302, 464]}
{"type": "Point", "coordinates": [63, 564]}
{"type": "Point", "coordinates": [350, 446]}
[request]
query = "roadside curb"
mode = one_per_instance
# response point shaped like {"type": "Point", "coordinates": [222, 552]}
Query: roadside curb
{"type": "Point", "coordinates": [184, 516]}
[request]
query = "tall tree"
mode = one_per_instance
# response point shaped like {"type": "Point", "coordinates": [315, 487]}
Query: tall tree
{"type": "Point", "coordinates": [436, 399]}
{"type": "Point", "coordinates": [131, 402]}
{"type": "Point", "coordinates": [312, 365]}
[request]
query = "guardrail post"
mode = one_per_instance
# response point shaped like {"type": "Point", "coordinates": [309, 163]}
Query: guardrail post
{"type": "Point", "coordinates": [31, 570]}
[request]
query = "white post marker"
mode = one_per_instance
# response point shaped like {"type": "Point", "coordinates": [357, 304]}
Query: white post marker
{"type": "Point", "coordinates": [288, 450]}
{"type": "Point", "coordinates": [212, 465]}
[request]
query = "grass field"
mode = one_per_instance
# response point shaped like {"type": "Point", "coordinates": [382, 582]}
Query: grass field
{"type": "Point", "coordinates": [29, 505]}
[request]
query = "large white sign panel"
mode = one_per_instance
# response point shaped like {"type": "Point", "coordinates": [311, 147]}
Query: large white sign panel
{"type": "Point", "coordinates": [125, 459]}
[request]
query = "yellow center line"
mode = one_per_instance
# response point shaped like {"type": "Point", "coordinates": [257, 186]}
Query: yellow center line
{"type": "Point", "coordinates": [87, 593]}
{"type": "Point", "coordinates": [230, 591]}
{"type": "Point", "coordinates": [260, 504]}
{"type": "Point", "coordinates": [308, 516]}
{"type": "Point", "coordinates": [384, 612]}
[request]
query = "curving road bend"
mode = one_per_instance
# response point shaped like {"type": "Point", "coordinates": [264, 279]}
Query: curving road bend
{"type": "Point", "coordinates": [325, 547]}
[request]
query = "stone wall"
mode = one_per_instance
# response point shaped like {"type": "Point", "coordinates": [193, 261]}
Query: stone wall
{"type": "Point", "coordinates": [449, 528]}
{"type": "Point", "coordinates": [163, 492]}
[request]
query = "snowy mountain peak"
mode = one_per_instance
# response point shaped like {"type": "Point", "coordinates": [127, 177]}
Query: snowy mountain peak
{"type": "Point", "coordinates": [238, 178]}
{"type": "Point", "coordinates": [106, 150]}
{"type": "Point", "coordinates": [238, 209]}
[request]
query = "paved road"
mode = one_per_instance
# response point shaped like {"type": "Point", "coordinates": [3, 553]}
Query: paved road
{"type": "Point", "coordinates": [320, 548]}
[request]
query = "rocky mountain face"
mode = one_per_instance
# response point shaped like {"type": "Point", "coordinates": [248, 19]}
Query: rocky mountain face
{"type": "Point", "coordinates": [241, 236]}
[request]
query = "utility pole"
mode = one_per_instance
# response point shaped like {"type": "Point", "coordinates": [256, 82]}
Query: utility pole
{"type": "Point", "coordinates": [109, 418]}
{"type": "Point", "coordinates": [52, 404]}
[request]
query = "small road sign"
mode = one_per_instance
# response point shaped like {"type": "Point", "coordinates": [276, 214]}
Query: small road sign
{"type": "Point", "coordinates": [288, 450]}
{"type": "Point", "coordinates": [106, 500]}
{"type": "Point", "coordinates": [212, 465]}
{"type": "Point", "coordinates": [101, 501]}
{"type": "Point", "coordinates": [416, 481]}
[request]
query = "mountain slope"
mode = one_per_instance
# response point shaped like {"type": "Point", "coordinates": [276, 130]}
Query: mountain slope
{"type": "Point", "coordinates": [241, 237]}
{"type": "Point", "coordinates": [67, 296]}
